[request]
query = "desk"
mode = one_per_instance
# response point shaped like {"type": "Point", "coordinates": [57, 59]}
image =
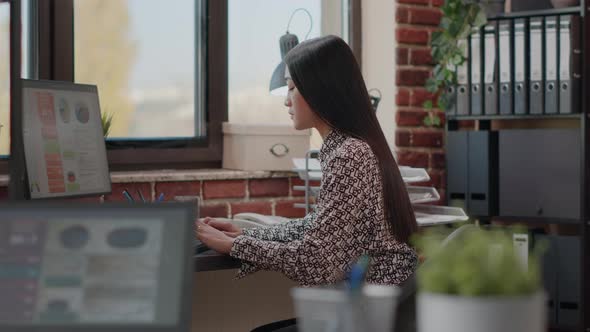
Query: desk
{"type": "Point", "coordinates": [211, 260]}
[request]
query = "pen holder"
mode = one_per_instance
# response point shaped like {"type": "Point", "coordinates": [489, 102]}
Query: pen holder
{"type": "Point", "coordinates": [330, 309]}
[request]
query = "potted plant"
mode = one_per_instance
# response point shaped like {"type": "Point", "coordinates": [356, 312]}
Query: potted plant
{"type": "Point", "coordinates": [107, 121]}
{"type": "Point", "coordinates": [477, 282]}
{"type": "Point", "coordinates": [460, 18]}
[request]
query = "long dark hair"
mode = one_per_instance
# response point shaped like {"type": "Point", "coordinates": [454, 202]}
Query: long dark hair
{"type": "Point", "coordinates": [328, 77]}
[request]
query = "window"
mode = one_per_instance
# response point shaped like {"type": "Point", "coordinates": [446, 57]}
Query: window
{"type": "Point", "coordinates": [5, 68]}
{"type": "Point", "coordinates": [255, 27]}
{"type": "Point", "coordinates": [143, 55]}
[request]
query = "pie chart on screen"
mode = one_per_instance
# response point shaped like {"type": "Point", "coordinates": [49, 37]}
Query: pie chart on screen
{"type": "Point", "coordinates": [82, 113]}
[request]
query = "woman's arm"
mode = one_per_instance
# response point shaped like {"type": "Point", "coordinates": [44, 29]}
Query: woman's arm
{"type": "Point", "coordinates": [285, 232]}
{"type": "Point", "coordinates": [332, 242]}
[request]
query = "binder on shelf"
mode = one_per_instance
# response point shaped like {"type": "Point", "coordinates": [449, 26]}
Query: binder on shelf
{"type": "Point", "coordinates": [520, 82]}
{"type": "Point", "coordinates": [536, 100]}
{"type": "Point", "coordinates": [476, 70]}
{"type": "Point", "coordinates": [451, 94]}
{"type": "Point", "coordinates": [569, 64]}
{"type": "Point", "coordinates": [551, 66]}
{"type": "Point", "coordinates": [505, 65]}
{"type": "Point", "coordinates": [463, 82]}
{"type": "Point", "coordinates": [490, 69]}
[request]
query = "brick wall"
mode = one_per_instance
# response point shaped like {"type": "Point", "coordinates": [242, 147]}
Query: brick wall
{"type": "Point", "coordinates": [219, 198]}
{"type": "Point", "coordinates": [416, 144]}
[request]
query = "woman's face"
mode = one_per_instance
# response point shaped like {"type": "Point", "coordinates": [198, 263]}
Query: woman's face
{"type": "Point", "coordinates": [301, 114]}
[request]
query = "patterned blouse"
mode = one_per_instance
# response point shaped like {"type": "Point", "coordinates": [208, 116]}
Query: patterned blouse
{"type": "Point", "coordinates": [349, 221]}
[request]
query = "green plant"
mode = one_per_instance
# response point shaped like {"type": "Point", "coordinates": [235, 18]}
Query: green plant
{"type": "Point", "coordinates": [106, 119]}
{"type": "Point", "coordinates": [460, 19]}
{"type": "Point", "coordinates": [476, 263]}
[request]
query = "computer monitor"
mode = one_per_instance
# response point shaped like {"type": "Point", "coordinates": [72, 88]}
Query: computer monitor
{"type": "Point", "coordinates": [96, 267]}
{"type": "Point", "coordinates": [63, 140]}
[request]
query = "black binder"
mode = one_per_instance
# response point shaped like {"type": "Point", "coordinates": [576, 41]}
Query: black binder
{"type": "Point", "coordinates": [505, 68]}
{"type": "Point", "coordinates": [536, 100]}
{"type": "Point", "coordinates": [462, 92]}
{"type": "Point", "coordinates": [569, 64]}
{"type": "Point", "coordinates": [490, 70]}
{"type": "Point", "coordinates": [520, 69]}
{"type": "Point", "coordinates": [551, 67]}
{"type": "Point", "coordinates": [476, 70]}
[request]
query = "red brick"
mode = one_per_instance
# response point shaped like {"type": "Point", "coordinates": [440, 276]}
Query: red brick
{"type": "Point", "coordinates": [438, 3]}
{"type": "Point", "coordinates": [224, 189]}
{"type": "Point", "coordinates": [402, 15]}
{"type": "Point", "coordinates": [466, 124]}
{"type": "Point", "coordinates": [269, 187]}
{"type": "Point", "coordinates": [3, 193]}
{"type": "Point", "coordinates": [412, 158]}
{"type": "Point", "coordinates": [402, 98]}
{"type": "Point", "coordinates": [414, 2]}
{"type": "Point", "coordinates": [215, 210]}
{"type": "Point", "coordinates": [402, 55]}
{"type": "Point", "coordinates": [441, 115]}
{"type": "Point", "coordinates": [254, 207]}
{"type": "Point", "coordinates": [182, 188]}
{"type": "Point", "coordinates": [443, 180]}
{"type": "Point", "coordinates": [443, 197]}
{"type": "Point", "coordinates": [412, 36]}
{"type": "Point", "coordinates": [438, 160]}
{"type": "Point", "coordinates": [431, 139]}
{"type": "Point", "coordinates": [299, 182]}
{"type": "Point", "coordinates": [402, 138]}
{"type": "Point", "coordinates": [419, 96]}
{"type": "Point", "coordinates": [410, 118]}
{"type": "Point", "coordinates": [117, 191]}
{"type": "Point", "coordinates": [412, 77]}
{"type": "Point", "coordinates": [286, 209]}
{"type": "Point", "coordinates": [421, 57]}
{"type": "Point", "coordinates": [425, 16]}
{"type": "Point", "coordinates": [419, 138]}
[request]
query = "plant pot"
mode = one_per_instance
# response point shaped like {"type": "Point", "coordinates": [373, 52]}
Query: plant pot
{"type": "Point", "coordinates": [451, 313]}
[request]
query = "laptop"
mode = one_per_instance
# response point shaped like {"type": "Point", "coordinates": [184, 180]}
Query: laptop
{"type": "Point", "coordinates": [68, 267]}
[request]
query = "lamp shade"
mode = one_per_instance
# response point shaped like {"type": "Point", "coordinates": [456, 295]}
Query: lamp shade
{"type": "Point", "coordinates": [278, 83]}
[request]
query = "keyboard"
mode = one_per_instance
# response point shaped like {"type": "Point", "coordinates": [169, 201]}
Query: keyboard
{"type": "Point", "coordinates": [199, 246]}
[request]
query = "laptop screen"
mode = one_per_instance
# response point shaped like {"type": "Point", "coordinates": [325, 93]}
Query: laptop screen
{"type": "Point", "coordinates": [95, 266]}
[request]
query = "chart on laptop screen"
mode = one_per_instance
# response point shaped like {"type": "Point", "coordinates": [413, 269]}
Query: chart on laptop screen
{"type": "Point", "coordinates": [66, 271]}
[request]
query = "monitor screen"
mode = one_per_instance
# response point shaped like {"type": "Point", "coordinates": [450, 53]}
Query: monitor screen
{"type": "Point", "coordinates": [63, 140]}
{"type": "Point", "coordinates": [100, 265]}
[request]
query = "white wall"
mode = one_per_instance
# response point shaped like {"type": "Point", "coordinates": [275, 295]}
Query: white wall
{"type": "Point", "coordinates": [378, 57]}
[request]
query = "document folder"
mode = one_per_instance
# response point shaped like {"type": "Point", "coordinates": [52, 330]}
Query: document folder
{"type": "Point", "coordinates": [520, 82]}
{"type": "Point", "coordinates": [490, 70]}
{"type": "Point", "coordinates": [551, 66]}
{"type": "Point", "coordinates": [569, 64]}
{"type": "Point", "coordinates": [505, 62]}
{"type": "Point", "coordinates": [476, 77]}
{"type": "Point", "coordinates": [463, 82]}
{"type": "Point", "coordinates": [536, 101]}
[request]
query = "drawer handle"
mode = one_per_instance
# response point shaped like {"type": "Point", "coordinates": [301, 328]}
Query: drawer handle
{"type": "Point", "coordinates": [279, 150]}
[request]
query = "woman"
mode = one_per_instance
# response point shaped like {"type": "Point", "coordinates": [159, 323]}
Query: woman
{"type": "Point", "coordinates": [362, 207]}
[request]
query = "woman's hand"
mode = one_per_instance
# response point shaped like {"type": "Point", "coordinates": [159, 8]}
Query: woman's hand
{"type": "Point", "coordinates": [214, 238]}
{"type": "Point", "coordinates": [227, 228]}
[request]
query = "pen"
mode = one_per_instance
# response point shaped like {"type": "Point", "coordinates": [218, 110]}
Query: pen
{"type": "Point", "coordinates": [127, 195]}
{"type": "Point", "coordinates": [141, 195]}
{"type": "Point", "coordinates": [160, 198]}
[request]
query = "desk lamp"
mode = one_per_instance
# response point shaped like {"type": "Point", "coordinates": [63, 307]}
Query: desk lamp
{"type": "Point", "coordinates": [278, 84]}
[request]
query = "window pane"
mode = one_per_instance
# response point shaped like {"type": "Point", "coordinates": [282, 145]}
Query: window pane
{"type": "Point", "coordinates": [255, 27]}
{"type": "Point", "coordinates": [4, 78]}
{"type": "Point", "coordinates": [142, 58]}
{"type": "Point", "coordinates": [5, 68]}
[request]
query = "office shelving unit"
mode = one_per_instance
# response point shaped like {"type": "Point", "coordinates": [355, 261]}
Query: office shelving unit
{"type": "Point", "coordinates": [488, 128]}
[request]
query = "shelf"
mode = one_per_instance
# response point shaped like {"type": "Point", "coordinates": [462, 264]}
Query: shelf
{"type": "Point", "coordinates": [422, 194]}
{"type": "Point", "coordinates": [577, 10]}
{"type": "Point", "coordinates": [515, 116]}
{"type": "Point", "coordinates": [430, 215]}
{"type": "Point", "coordinates": [410, 174]}
{"type": "Point", "coordinates": [537, 220]}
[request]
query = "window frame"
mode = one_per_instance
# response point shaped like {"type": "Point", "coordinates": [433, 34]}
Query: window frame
{"type": "Point", "coordinates": [55, 61]}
